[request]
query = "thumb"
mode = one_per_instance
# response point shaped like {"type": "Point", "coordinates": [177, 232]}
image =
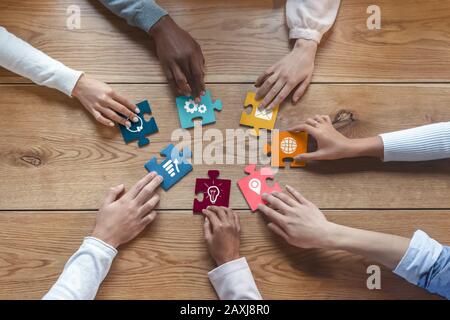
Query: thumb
{"type": "Point", "coordinates": [207, 229]}
{"type": "Point", "coordinates": [113, 193]}
{"type": "Point", "coordinates": [308, 156]}
{"type": "Point", "coordinates": [302, 127]}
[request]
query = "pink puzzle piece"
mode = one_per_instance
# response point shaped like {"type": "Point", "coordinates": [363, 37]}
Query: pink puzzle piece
{"type": "Point", "coordinates": [216, 192]}
{"type": "Point", "coordinates": [254, 185]}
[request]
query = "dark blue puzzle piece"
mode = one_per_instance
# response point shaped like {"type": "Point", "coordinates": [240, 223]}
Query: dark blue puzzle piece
{"type": "Point", "coordinates": [189, 110]}
{"type": "Point", "coordinates": [140, 130]}
{"type": "Point", "coordinates": [173, 168]}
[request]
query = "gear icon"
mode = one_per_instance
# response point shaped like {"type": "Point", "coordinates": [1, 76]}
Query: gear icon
{"type": "Point", "coordinates": [202, 108]}
{"type": "Point", "coordinates": [190, 106]}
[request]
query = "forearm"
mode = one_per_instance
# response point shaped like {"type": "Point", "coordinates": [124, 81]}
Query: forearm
{"type": "Point", "coordinates": [423, 143]}
{"type": "Point", "coordinates": [234, 281]}
{"type": "Point", "coordinates": [385, 249]}
{"type": "Point", "coordinates": [310, 19]}
{"type": "Point", "coordinates": [19, 57]}
{"type": "Point", "coordinates": [84, 272]}
{"type": "Point", "coordinates": [141, 13]}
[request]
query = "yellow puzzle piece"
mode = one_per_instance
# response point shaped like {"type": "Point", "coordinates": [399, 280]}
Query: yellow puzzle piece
{"type": "Point", "coordinates": [258, 119]}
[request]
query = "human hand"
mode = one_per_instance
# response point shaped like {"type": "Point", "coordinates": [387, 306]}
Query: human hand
{"type": "Point", "coordinates": [331, 144]}
{"type": "Point", "coordinates": [104, 103]}
{"type": "Point", "coordinates": [294, 70]}
{"type": "Point", "coordinates": [181, 57]}
{"type": "Point", "coordinates": [124, 215]}
{"type": "Point", "coordinates": [296, 220]}
{"type": "Point", "coordinates": [222, 234]}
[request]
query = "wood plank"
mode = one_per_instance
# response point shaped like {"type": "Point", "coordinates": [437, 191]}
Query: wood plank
{"type": "Point", "coordinates": [240, 39]}
{"type": "Point", "coordinates": [54, 156]}
{"type": "Point", "coordinates": [169, 260]}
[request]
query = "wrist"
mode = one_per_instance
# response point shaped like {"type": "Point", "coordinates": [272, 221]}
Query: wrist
{"type": "Point", "coordinates": [367, 147]}
{"type": "Point", "coordinates": [336, 237]}
{"type": "Point", "coordinates": [78, 86]}
{"type": "Point", "coordinates": [159, 28]}
{"type": "Point", "coordinates": [108, 239]}
{"type": "Point", "coordinates": [222, 260]}
{"type": "Point", "coordinates": [305, 44]}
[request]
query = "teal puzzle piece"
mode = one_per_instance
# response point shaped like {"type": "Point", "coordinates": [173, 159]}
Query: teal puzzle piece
{"type": "Point", "coordinates": [189, 110]}
{"type": "Point", "coordinates": [140, 130]}
{"type": "Point", "coordinates": [173, 168]}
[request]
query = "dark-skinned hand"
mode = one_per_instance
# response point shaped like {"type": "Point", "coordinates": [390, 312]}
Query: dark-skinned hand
{"type": "Point", "coordinates": [181, 57]}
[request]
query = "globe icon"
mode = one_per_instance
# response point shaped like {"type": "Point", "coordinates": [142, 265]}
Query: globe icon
{"type": "Point", "coordinates": [288, 145]}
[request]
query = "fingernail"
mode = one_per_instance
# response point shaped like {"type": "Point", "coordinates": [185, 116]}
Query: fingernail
{"type": "Point", "coordinates": [135, 119]}
{"type": "Point", "coordinates": [137, 110]}
{"type": "Point", "coordinates": [160, 178]}
{"type": "Point", "coordinates": [128, 124]}
{"type": "Point", "coordinates": [153, 173]}
{"type": "Point", "coordinates": [111, 124]}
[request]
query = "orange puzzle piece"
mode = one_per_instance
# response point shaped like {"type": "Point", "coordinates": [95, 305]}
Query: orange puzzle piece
{"type": "Point", "coordinates": [258, 119]}
{"type": "Point", "coordinates": [287, 145]}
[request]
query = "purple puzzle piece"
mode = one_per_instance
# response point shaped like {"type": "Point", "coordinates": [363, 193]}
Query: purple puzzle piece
{"type": "Point", "coordinates": [216, 192]}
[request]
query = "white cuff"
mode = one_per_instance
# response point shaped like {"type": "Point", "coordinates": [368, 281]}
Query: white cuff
{"type": "Point", "coordinates": [102, 245]}
{"type": "Point", "coordinates": [234, 281]}
{"type": "Point", "coordinates": [308, 34]}
{"type": "Point", "coordinates": [68, 79]}
{"type": "Point", "coordinates": [421, 255]}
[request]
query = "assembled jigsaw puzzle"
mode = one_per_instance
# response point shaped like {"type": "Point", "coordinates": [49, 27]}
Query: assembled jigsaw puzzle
{"type": "Point", "coordinates": [216, 192]}
{"type": "Point", "coordinates": [173, 168]}
{"type": "Point", "coordinates": [254, 185]}
{"type": "Point", "coordinates": [285, 146]}
{"type": "Point", "coordinates": [188, 110]}
{"type": "Point", "coordinates": [258, 119]}
{"type": "Point", "coordinates": [141, 129]}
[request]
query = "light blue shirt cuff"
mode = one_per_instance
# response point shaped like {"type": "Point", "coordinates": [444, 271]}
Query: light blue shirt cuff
{"type": "Point", "coordinates": [422, 254]}
{"type": "Point", "coordinates": [148, 15]}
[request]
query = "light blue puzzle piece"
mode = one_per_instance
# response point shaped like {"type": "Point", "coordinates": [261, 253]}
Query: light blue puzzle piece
{"type": "Point", "coordinates": [189, 110]}
{"type": "Point", "coordinates": [173, 168]}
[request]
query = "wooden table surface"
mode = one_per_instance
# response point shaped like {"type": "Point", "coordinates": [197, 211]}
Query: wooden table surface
{"type": "Point", "coordinates": [56, 162]}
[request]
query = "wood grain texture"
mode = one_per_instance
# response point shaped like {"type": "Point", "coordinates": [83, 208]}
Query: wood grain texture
{"type": "Point", "coordinates": [170, 260]}
{"type": "Point", "coordinates": [240, 39]}
{"type": "Point", "coordinates": [55, 156]}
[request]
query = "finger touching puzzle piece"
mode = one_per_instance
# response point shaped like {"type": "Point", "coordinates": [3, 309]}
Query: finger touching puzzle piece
{"type": "Point", "coordinates": [216, 192]}
{"type": "Point", "coordinates": [140, 130]}
{"type": "Point", "coordinates": [188, 110]}
{"type": "Point", "coordinates": [173, 168]}
{"type": "Point", "coordinates": [255, 185]}
{"type": "Point", "coordinates": [258, 119]}
{"type": "Point", "coordinates": [286, 145]}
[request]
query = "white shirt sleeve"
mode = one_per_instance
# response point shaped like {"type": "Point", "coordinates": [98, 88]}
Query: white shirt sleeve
{"type": "Point", "coordinates": [310, 19]}
{"type": "Point", "coordinates": [84, 272]}
{"type": "Point", "coordinates": [428, 142]}
{"type": "Point", "coordinates": [234, 281]}
{"type": "Point", "coordinates": [19, 57]}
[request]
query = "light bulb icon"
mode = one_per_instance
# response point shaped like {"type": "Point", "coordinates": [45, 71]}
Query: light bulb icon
{"type": "Point", "coordinates": [213, 193]}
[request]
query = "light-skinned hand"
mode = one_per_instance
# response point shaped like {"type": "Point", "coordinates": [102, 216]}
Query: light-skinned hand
{"type": "Point", "coordinates": [296, 220]}
{"type": "Point", "coordinates": [222, 233]}
{"type": "Point", "coordinates": [292, 73]}
{"type": "Point", "coordinates": [105, 104]}
{"type": "Point", "coordinates": [124, 215]}
{"type": "Point", "coordinates": [331, 144]}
